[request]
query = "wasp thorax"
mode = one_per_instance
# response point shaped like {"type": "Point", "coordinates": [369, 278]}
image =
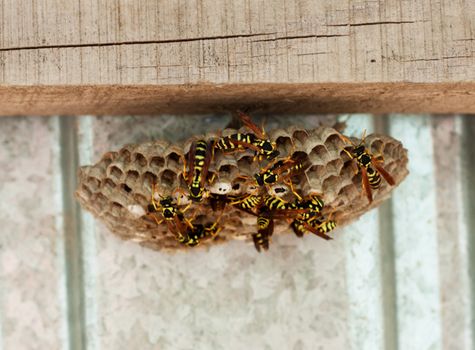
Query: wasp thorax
{"type": "Point", "coordinates": [365, 159]}
{"type": "Point", "coordinates": [267, 146]}
{"type": "Point", "coordinates": [166, 202]}
{"type": "Point", "coordinates": [196, 194]}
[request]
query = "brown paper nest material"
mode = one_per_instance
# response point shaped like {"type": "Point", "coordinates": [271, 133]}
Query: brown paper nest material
{"type": "Point", "coordinates": [117, 189]}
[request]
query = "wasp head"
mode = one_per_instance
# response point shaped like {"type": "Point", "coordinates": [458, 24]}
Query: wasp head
{"type": "Point", "coordinates": [359, 150]}
{"type": "Point", "coordinates": [166, 202]}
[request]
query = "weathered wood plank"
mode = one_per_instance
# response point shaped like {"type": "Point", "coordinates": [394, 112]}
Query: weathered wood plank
{"type": "Point", "coordinates": [208, 98]}
{"type": "Point", "coordinates": [33, 300]}
{"type": "Point", "coordinates": [416, 242]}
{"type": "Point", "coordinates": [63, 43]}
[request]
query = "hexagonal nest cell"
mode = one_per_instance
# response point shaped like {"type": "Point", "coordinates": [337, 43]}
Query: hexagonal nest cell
{"type": "Point", "coordinates": [118, 188]}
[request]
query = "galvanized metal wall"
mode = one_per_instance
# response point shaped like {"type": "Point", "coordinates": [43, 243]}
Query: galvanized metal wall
{"type": "Point", "coordinates": [400, 278]}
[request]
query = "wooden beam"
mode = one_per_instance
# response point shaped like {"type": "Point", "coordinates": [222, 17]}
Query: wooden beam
{"type": "Point", "coordinates": [161, 50]}
{"type": "Point", "coordinates": [278, 98]}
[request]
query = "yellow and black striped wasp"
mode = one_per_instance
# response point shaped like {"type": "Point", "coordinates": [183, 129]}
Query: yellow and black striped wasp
{"type": "Point", "coordinates": [281, 169]}
{"type": "Point", "coordinates": [256, 141]}
{"type": "Point", "coordinates": [199, 159]}
{"type": "Point", "coordinates": [173, 216]}
{"type": "Point", "coordinates": [247, 202]}
{"type": "Point", "coordinates": [314, 225]}
{"type": "Point", "coordinates": [265, 229]}
{"type": "Point", "coordinates": [313, 203]}
{"type": "Point", "coordinates": [193, 235]}
{"type": "Point", "coordinates": [271, 208]}
{"type": "Point", "coordinates": [369, 166]}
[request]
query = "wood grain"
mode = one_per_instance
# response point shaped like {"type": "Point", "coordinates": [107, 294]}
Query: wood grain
{"type": "Point", "coordinates": [200, 98]}
{"type": "Point", "coordinates": [67, 44]}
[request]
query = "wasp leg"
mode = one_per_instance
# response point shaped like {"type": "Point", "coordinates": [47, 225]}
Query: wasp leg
{"type": "Point", "coordinates": [380, 157]}
{"type": "Point", "coordinates": [355, 167]}
{"type": "Point", "coordinates": [158, 222]}
{"type": "Point", "coordinates": [289, 183]}
{"type": "Point", "coordinates": [184, 173]}
{"type": "Point", "coordinates": [154, 203]}
{"type": "Point", "coordinates": [345, 139]}
{"type": "Point", "coordinates": [186, 208]}
{"type": "Point", "coordinates": [212, 178]}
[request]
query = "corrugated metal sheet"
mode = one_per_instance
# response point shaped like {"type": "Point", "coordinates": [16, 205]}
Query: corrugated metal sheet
{"type": "Point", "coordinates": [400, 278]}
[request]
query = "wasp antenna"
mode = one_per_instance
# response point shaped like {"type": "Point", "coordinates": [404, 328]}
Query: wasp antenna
{"type": "Point", "coordinates": [347, 152]}
{"type": "Point", "coordinates": [363, 137]}
{"type": "Point", "coordinates": [219, 217]}
{"type": "Point", "coordinates": [345, 139]}
{"type": "Point", "coordinates": [262, 125]}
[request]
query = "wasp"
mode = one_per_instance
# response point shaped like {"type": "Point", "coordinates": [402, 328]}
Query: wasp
{"type": "Point", "coordinates": [256, 141]}
{"type": "Point", "coordinates": [199, 159]}
{"type": "Point", "coordinates": [218, 201]}
{"type": "Point", "coordinates": [272, 173]}
{"type": "Point", "coordinates": [173, 216]}
{"type": "Point", "coordinates": [314, 225]}
{"type": "Point", "coordinates": [247, 202]}
{"type": "Point", "coordinates": [368, 164]}
{"type": "Point", "coordinates": [277, 203]}
{"type": "Point", "coordinates": [265, 229]}
{"type": "Point", "coordinates": [313, 203]}
{"type": "Point", "coordinates": [271, 208]}
{"type": "Point", "coordinates": [195, 234]}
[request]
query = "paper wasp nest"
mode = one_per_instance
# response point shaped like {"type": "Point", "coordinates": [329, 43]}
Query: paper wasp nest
{"type": "Point", "coordinates": [118, 188]}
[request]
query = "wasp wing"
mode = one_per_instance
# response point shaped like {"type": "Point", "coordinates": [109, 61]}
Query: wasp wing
{"type": "Point", "coordinates": [191, 163]}
{"type": "Point", "coordinates": [246, 120]}
{"type": "Point", "coordinates": [366, 186]}
{"type": "Point", "coordinates": [207, 162]}
{"type": "Point", "coordinates": [288, 213]}
{"type": "Point", "coordinates": [384, 173]}
{"type": "Point", "coordinates": [316, 231]}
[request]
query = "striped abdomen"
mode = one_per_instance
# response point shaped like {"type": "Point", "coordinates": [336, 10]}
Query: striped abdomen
{"type": "Point", "coordinates": [199, 232]}
{"type": "Point", "coordinates": [248, 202]}
{"type": "Point", "coordinates": [274, 203]}
{"type": "Point", "coordinates": [298, 227]}
{"type": "Point", "coordinates": [228, 142]}
{"type": "Point", "coordinates": [374, 178]}
{"type": "Point", "coordinates": [263, 222]}
{"type": "Point", "coordinates": [199, 160]}
{"type": "Point", "coordinates": [314, 204]}
{"type": "Point", "coordinates": [325, 226]}
{"type": "Point", "coordinates": [261, 241]}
